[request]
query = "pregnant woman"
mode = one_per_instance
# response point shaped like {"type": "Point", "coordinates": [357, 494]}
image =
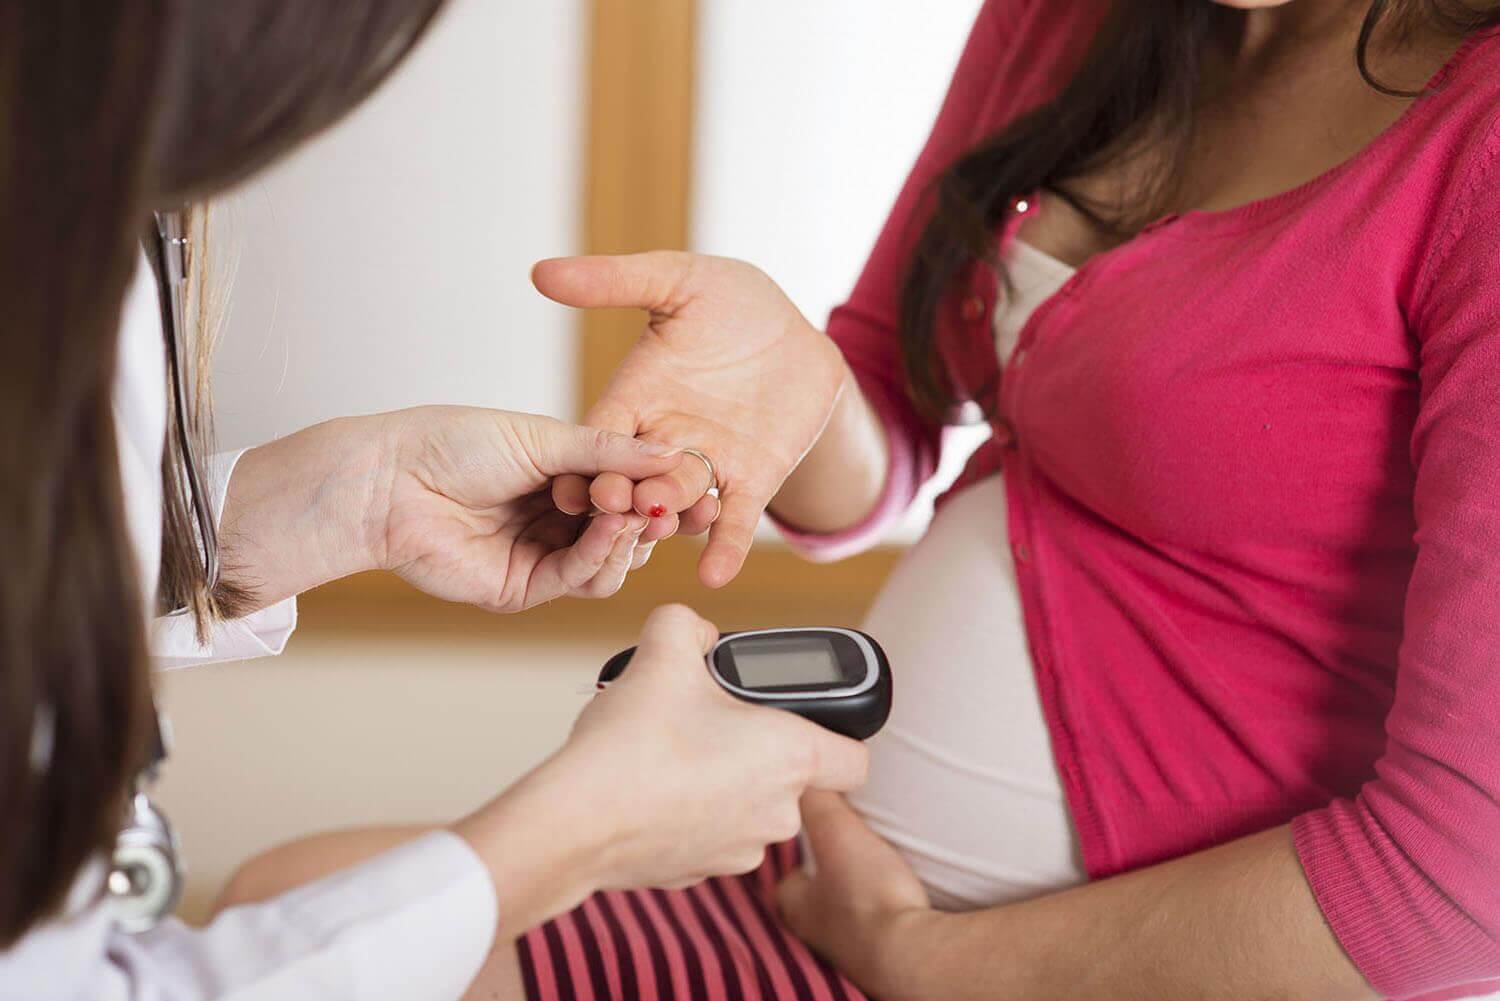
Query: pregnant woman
{"type": "Point", "coordinates": [1199, 694]}
{"type": "Point", "coordinates": [1230, 557]}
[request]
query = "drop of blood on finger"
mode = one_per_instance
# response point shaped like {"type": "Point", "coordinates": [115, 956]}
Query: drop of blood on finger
{"type": "Point", "coordinates": [658, 510]}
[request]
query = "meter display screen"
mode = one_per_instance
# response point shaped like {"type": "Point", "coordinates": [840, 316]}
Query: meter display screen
{"type": "Point", "coordinates": [783, 661]}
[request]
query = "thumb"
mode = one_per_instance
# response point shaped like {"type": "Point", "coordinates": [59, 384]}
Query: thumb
{"type": "Point", "coordinates": [793, 901]}
{"type": "Point", "coordinates": [557, 449]}
{"type": "Point", "coordinates": [827, 818]}
{"type": "Point", "coordinates": [674, 633]}
{"type": "Point", "coordinates": [840, 764]}
{"type": "Point", "coordinates": [655, 281]}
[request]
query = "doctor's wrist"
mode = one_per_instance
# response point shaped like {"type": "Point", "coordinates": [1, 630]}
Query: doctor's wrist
{"type": "Point", "coordinates": [545, 850]}
{"type": "Point", "coordinates": [299, 511]}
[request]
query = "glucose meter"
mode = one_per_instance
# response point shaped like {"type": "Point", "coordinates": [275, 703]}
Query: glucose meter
{"type": "Point", "coordinates": [837, 678]}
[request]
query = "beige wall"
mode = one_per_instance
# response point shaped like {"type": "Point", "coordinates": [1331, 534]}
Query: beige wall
{"type": "Point", "coordinates": [343, 730]}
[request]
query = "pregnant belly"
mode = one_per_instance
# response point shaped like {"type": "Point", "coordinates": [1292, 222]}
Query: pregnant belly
{"type": "Point", "coordinates": [962, 779]}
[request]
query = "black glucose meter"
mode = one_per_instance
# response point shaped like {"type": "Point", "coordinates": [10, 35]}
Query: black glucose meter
{"type": "Point", "coordinates": [837, 678]}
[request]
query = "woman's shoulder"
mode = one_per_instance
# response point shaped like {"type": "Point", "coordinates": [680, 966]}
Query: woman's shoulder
{"type": "Point", "coordinates": [1464, 101]}
{"type": "Point", "coordinates": [1462, 139]}
{"type": "Point", "coordinates": [1451, 167]}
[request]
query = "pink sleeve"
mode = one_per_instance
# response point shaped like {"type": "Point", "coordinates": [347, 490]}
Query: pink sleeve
{"type": "Point", "coordinates": [866, 328]}
{"type": "Point", "coordinates": [1408, 872]}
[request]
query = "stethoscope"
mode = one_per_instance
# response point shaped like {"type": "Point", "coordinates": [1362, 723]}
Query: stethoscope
{"type": "Point", "coordinates": [146, 870]}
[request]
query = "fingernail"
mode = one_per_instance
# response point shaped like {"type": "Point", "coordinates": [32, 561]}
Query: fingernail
{"type": "Point", "coordinates": [658, 449]}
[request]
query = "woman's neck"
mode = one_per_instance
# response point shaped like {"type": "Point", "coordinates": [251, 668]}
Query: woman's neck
{"type": "Point", "coordinates": [1402, 50]}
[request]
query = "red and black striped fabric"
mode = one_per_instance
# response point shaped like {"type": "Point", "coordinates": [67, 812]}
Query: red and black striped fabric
{"type": "Point", "coordinates": [718, 941]}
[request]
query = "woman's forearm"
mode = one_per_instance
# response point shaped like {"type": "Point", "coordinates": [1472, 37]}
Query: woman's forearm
{"type": "Point", "coordinates": [840, 480]}
{"type": "Point", "coordinates": [297, 512]}
{"type": "Point", "coordinates": [1233, 922]}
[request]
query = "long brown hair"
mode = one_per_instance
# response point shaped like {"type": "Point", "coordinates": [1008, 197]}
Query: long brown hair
{"type": "Point", "coordinates": [1138, 86]}
{"type": "Point", "coordinates": [108, 112]}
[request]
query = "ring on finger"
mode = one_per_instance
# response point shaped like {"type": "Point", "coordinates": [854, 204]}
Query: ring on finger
{"type": "Point", "coordinates": [713, 476]}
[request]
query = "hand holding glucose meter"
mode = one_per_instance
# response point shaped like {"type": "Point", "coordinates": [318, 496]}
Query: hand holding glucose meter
{"type": "Point", "coordinates": [837, 678]}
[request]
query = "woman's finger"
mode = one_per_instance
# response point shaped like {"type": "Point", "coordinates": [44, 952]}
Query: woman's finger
{"type": "Point", "coordinates": [730, 538]}
{"type": "Point", "coordinates": [827, 817]}
{"type": "Point", "coordinates": [700, 517]}
{"type": "Point", "coordinates": [794, 896]}
{"type": "Point", "coordinates": [675, 491]}
{"type": "Point", "coordinates": [660, 528]}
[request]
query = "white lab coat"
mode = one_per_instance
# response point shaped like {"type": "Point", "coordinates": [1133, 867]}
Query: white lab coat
{"type": "Point", "coordinates": [414, 924]}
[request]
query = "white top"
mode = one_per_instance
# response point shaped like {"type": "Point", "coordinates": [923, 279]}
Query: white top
{"type": "Point", "coordinates": [962, 778]}
{"type": "Point", "coordinates": [414, 924]}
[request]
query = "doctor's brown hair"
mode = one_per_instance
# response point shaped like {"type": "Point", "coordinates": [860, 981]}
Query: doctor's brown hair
{"type": "Point", "coordinates": [109, 111]}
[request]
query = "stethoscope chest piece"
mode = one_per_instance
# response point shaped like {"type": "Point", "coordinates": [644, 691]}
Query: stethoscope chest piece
{"type": "Point", "coordinates": [146, 871]}
{"type": "Point", "coordinates": [145, 879]}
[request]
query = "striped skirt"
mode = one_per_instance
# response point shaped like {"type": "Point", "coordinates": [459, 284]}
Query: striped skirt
{"type": "Point", "coordinates": [718, 941]}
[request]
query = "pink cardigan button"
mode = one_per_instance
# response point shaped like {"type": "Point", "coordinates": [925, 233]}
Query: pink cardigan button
{"type": "Point", "coordinates": [972, 308]}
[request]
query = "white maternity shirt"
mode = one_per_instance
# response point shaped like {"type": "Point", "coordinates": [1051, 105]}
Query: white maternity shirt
{"type": "Point", "coordinates": [962, 778]}
{"type": "Point", "coordinates": [414, 924]}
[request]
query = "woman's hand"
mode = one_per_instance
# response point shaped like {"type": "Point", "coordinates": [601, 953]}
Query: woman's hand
{"type": "Point", "coordinates": [727, 366]}
{"type": "Point", "coordinates": [862, 893]}
{"type": "Point", "coordinates": [665, 780]}
{"type": "Point", "coordinates": [1239, 916]}
{"type": "Point", "coordinates": [455, 500]}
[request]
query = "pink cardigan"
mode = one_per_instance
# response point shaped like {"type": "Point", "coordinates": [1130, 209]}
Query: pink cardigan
{"type": "Point", "coordinates": [1253, 467]}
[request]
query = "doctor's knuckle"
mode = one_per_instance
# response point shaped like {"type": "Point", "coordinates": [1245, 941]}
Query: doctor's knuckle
{"type": "Point", "coordinates": [801, 760]}
{"type": "Point", "coordinates": [785, 824]}
{"type": "Point", "coordinates": [600, 440]}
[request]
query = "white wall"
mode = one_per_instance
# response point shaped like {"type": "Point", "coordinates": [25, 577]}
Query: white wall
{"type": "Point", "coordinates": [810, 114]}
{"type": "Point", "coordinates": [809, 117]}
{"type": "Point", "coordinates": [386, 264]}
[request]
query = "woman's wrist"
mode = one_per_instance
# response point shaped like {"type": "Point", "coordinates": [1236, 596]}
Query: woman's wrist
{"type": "Point", "coordinates": [305, 509]}
{"type": "Point", "coordinates": [905, 946]}
{"type": "Point", "coordinates": [842, 477]}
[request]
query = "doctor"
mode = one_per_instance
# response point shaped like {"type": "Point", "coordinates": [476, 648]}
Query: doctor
{"type": "Point", "coordinates": [110, 523]}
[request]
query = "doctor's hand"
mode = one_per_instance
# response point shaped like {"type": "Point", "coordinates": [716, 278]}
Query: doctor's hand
{"type": "Point", "coordinates": [727, 366]}
{"type": "Point", "coordinates": [665, 780]}
{"type": "Point", "coordinates": [455, 500]}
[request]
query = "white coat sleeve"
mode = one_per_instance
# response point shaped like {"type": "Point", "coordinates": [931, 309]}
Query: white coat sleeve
{"type": "Point", "coordinates": [174, 643]}
{"type": "Point", "coordinates": [414, 924]}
